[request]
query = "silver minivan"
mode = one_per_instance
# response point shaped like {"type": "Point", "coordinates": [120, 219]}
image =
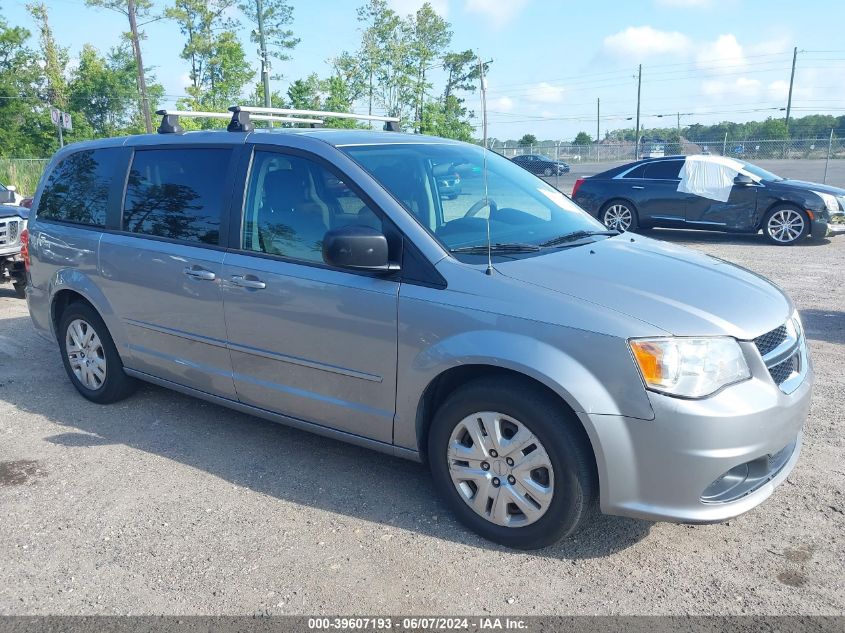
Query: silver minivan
{"type": "Point", "coordinates": [541, 365]}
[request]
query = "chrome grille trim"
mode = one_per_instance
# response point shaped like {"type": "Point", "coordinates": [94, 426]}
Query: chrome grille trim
{"type": "Point", "coordinates": [783, 353]}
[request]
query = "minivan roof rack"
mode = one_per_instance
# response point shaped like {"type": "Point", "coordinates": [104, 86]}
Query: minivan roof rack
{"type": "Point", "coordinates": [390, 123]}
{"type": "Point", "coordinates": [238, 123]}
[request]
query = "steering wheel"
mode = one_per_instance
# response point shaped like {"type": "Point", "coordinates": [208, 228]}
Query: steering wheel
{"type": "Point", "coordinates": [478, 206]}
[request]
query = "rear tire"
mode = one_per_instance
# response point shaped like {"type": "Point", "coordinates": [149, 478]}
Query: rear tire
{"type": "Point", "coordinates": [489, 480]}
{"type": "Point", "coordinates": [90, 356]}
{"type": "Point", "coordinates": [619, 215]}
{"type": "Point", "coordinates": [786, 225]}
{"type": "Point", "coordinates": [547, 171]}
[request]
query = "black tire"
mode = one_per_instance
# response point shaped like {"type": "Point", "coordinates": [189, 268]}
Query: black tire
{"type": "Point", "coordinates": [20, 289]}
{"type": "Point", "coordinates": [547, 171]}
{"type": "Point", "coordinates": [635, 221]}
{"type": "Point", "coordinates": [560, 433]}
{"type": "Point", "coordinates": [117, 385]}
{"type": "Point", "coordinates": [794, 235]}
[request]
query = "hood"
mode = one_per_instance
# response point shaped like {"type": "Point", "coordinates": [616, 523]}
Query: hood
{"type": "Point", "coordinates": [670, 287]}
{"type": "Point", "coordinates": [8, 211]}
{"type": "Point", "coordinates": [808, 186]}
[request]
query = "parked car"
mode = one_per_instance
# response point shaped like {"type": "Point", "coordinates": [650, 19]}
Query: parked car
{"type": "Point", "coordinates": [12, 224]}
{"type": "Point", "coordinates": [711, 193]}
{"type": "Point", "coordinates": [449, 185]}
{"type": "Point", "coordinates": [541, 165]}
{"type": "Point", "coordinates": [574, 367]}
{"type": "Point", "coordinates": [9, 195]}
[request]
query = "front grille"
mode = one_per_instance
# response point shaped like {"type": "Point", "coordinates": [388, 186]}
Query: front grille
{"type": "Point", "coordinates": [784, 370]}
{"type": "Point", "coordinates": [4, 233]}
{"type": "Point", "coordinates": [12, 231]}
{"type": "Point", "coordinates": [770, 340]}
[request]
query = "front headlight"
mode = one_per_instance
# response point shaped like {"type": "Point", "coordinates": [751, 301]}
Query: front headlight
{"type": "Point", "coordinates": [689, 367]}
{"type": "Point", "coordinates": [830, 202]}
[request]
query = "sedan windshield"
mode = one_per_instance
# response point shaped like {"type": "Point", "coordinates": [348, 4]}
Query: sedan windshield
{"type": "Point", "coordinates": [761, 173]}
{"type": "Point", "coordinates": [523, 211]}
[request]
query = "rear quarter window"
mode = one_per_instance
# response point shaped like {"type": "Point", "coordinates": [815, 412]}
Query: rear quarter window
{"type": "Point", "coordinates": [77, 189]}
{"type": "Point", "coordinates": [664, 170]}
{"type": "Point", "coordinates": [177, 193]}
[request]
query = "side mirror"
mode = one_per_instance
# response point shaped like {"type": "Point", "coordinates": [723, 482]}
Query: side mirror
{"type": "Point", "coordinates": [743, 180]}
{"type": "Point", "coordinates": [7, 196]}
{"type": "Point", "coordinates": [357, 248]}
{"type": "Point", "coordinates": [12, 188]}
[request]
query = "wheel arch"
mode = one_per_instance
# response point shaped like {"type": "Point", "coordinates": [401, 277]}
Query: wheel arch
{"type": "Point", "coordinates": [780, 204]}
{"type": "Point", "coordinates": [627, 201]}
{"type": "Point", "coordinates": [70, 285]}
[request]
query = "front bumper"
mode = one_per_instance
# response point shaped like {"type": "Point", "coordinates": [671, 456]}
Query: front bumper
{"type": "Point", "coordinates": [702, 461]}
{"type": "Point", "coordinates": [828, 227]}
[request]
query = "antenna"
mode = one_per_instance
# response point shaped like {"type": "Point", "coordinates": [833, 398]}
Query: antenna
{"type": "Point", "coordinates": [483, 82]}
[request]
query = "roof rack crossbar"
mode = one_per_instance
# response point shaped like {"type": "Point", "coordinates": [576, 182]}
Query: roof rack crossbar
{"type": "Point", "coordinates": [239, 122]}
{"type": "Point", "coordinates": [390, 123]}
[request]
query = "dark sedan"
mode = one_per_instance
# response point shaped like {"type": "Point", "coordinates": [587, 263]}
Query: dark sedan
{"type": "Point", "coordinates": [711, 193]}
{"type": "Point", "coordinates": [541, 165]}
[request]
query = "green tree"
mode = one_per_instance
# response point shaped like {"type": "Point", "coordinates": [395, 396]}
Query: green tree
{"type": "Point", "coordinates": [270, 19]}
{"type": "Point", "coordinates": [304, 94]}
{"type": "Point", "coordinates": [527, 140]}
{"type": "Point", "coordinates": [582, 138]}
{"type": "Point", "coordinates": [447, 118]}
{"type": "Point", "coordinates": [53, 57]}
{"type": "Point", "coordinates": [133, 9]}
{"type": "Point", "coordinates": [428, 36]}
{"type": "Point", "coordinates": [218, 69]}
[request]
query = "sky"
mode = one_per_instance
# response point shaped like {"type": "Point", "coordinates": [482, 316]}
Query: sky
{"type": "Point", "coordinates": [707, 60]}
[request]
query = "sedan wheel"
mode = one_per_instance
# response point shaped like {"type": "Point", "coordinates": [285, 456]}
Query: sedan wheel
{"type": "Point", "coordinates": [547, 171]}
{"type": "Point", "coordinates": [618, 217]}
{"type": "Point", "coordinates": [786, 226]}
{"type": "Point", "coordinates": [85, 354]}
{"type": "Point", "coordinates": [500, 469]}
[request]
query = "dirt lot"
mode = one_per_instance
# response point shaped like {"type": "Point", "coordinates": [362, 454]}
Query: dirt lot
{"type": "Point", "coordinates": [165, 504]}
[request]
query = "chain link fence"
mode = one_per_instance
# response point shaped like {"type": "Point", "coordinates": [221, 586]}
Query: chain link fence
{"type": "Point", "coordinates": [814, 149]}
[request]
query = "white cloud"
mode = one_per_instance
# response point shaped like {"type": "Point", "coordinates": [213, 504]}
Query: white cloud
{"type": "Point", "coordinates": [684, 4]}
{"type": "Point", "coordinates": [406, 7]}
{"type": "Point", "coordinates": [638, 42]}
{"type": "Point", "coordinates": [739, 87]}
{"type": "Point", "coordinates": [545, 92]}
{"type": "Point", "coordinates": [724, 55]}
{"type": "Point", "coordinates": [778, 90]}
{"type": "Point", "coordinates": [502, 104]}
{"type": "Point", "coordinates": [498, 12]}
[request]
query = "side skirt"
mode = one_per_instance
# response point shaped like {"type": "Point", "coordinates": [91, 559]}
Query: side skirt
{"type": "Point", "coordinates": [296, 423]}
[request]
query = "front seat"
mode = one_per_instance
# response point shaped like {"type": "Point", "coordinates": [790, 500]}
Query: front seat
{"type": "Point", "coordinates": [289, 222]}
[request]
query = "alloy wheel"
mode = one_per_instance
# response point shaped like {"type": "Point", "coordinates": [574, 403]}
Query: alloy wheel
{"type": "Point", "coordinates": [500, 469]}
{"type": "Point", "coordinates": [86, 354]}
{"type": "Point", "coordinates": [785, 225]}
{"type": "Point", "coordinates": [618, 217]}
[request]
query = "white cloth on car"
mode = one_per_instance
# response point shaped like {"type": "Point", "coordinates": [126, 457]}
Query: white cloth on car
{"type": "Point", "coordinates": [709, 176]}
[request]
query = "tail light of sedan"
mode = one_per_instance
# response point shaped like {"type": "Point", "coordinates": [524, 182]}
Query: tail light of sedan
{"type": "Point", "coordinates": [575, 187]}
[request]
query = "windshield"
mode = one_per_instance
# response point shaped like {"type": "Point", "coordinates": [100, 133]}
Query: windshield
{"type": "Point", "coordinates": [443, 186]}
{"type": "Point", "coordinates": [761, 173]}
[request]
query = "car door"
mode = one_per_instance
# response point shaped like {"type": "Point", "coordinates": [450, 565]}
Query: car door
{"type": "Point", "coordinates": [162, 271]}
{"type": "Point", "coordinates": [657, 197]}
{"type": "Point", "coordinates": [306, 340]}
{"type": "Point", "coordinates": [738, 212]}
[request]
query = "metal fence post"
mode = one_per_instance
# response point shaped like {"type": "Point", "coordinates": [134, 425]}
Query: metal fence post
{"type": "Point", "coordinates": [557, 166]}
{"type": "Point", "coordinates": [827, 160]}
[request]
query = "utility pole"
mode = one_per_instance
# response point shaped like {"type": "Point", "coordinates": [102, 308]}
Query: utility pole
{"type": "Point", "coordinates": [262, 44]}
{"type": "Point", "coordinates": [136, 48]}
{"type": "Point", "coordinates": [637, 129]}
{"type": "Point", "coordinates": [679, 127]}
{"type": "Point", "coordinates": [791, 81]}
{"type": "Point", "coordinates": [598, 118]}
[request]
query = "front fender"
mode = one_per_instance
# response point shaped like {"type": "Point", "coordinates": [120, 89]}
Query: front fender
{"type": "Point", "coordinates": [595, 375]}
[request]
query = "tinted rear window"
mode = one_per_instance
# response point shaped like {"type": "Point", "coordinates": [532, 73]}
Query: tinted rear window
{"type": "Point", "coordinates": [663, 170]}
{"type": "Point", "coordinates": [177, 193]}
{"type": "Point", "coordinates": [78, 187]}
{"type": "Point", "coordinates": [636, 172]}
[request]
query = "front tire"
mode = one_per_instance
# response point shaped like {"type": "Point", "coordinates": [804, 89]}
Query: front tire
{"type": "Point", "coordinates": [785, 225]}
{"type": "Point", "coordinates": [512, 463]}
{"type": "Point", "coordinates": [20, 289]}
{"type": "Point", "coordinates": [90, 356]}
{"type": "Point", "coordinates": [619, 215]}
{"type": "Point", "coordinates": [547, 171]}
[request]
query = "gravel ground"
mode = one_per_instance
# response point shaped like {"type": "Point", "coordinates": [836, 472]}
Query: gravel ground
{"type": "Point", "coordinates": [164, 504]}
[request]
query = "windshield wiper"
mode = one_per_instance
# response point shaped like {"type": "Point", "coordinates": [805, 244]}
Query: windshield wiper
{"type": "Point", "coordinates": [575, 235]}
{"type": "Point", "coordinates": [481, 249]}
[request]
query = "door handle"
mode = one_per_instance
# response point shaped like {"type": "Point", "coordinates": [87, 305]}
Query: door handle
{"type": "Point", "coordinates": [248, 282]}
{"type": "Point", "coordinates": [200, 273]}
{"type": "Point", "coordinates": [637, 187]}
